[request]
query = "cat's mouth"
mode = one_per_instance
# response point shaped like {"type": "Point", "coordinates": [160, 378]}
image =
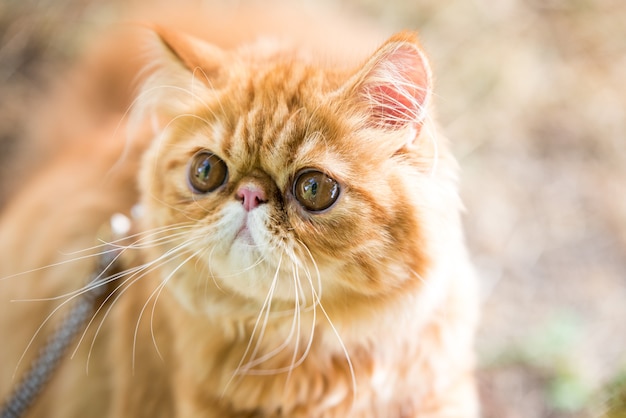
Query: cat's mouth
{"type": "Point", "coordinates": [246, 232]}
{"type": "Point", "coordinates": [244, 235]}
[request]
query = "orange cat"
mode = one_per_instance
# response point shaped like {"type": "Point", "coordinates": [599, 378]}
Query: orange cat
{"type": "Point", "coordinates": [296, 251]}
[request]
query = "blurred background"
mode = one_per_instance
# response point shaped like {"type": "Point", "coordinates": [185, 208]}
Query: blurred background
{"type": "Point", "coordinates": [532, 94]}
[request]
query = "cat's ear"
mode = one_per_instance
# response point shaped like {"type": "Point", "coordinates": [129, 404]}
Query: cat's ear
{"type": "Point", "coordinates": [181, 72]}
{"type": "Point", "coordinates": [192, 53]}
{"type": "Point", "coordinates": [394, 86]}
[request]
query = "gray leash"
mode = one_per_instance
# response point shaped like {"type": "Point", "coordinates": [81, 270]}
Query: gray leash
{"type": "Point", "coordinates": [51, 354]}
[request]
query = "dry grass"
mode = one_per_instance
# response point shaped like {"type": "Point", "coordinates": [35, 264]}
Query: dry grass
{"type": "Point", "coordinates": [533, 95]}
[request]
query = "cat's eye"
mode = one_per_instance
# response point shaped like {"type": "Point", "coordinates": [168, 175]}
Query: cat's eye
{"type": "Point", "coordinates": [207, 172]}
{"type": "Point", "coordinates": [315, 191]}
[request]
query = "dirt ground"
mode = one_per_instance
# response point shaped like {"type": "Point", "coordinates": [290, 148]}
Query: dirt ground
{"type": "Point", "coordinates": [533, 95]}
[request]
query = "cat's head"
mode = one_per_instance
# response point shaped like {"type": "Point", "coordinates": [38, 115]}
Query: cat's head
{"type": "Point", "coordinates": [276, 175]}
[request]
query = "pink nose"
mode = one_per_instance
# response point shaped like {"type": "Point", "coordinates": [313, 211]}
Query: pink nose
{"type": "Point", "coordinates": [251, 196]}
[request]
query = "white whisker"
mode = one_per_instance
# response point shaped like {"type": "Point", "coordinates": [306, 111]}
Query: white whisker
{"type": "Point", "coordinates": [249, 367]}
{"type": "Point", "coordinates": [38, 269]}
{"type": "Point", "coordinates": [317, 301]}
{"type": "Point", "coordinates": [138, 274]}
{"type": "Point", "coordinates": [143, 235]}
{"type": "Point", "coordinates": [98, 281]}
{"type": "Point", "coordinates": [156, 291]}
{"type": "Point", "coordinates": [297, 288]}
{"type": "Point", "coordinates": [265, 307]}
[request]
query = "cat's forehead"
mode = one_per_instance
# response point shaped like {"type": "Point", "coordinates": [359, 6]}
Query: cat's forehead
{"type": "Point", "coordinates": [279, 141]}
{"type": "Point", "coordinates": [281, 82]}
{"type": "Point", "coordinates": [279, 117]}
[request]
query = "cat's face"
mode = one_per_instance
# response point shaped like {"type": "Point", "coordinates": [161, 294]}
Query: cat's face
{"type": "Point", "coordinates": [280, 178]}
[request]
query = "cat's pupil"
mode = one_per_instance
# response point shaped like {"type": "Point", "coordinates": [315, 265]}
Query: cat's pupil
{"type": "Point", "coordinates": [204, 170]}
{"type": "Point", "coordinates": [316, 191]}
{"type": "Point", "coordinates": [310, 188]}
{"type": "Point", "coordinates": [207, 172]}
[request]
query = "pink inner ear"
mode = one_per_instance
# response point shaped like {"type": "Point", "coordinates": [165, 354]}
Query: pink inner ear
{"type": "Point", "coordinates": [397, 87]}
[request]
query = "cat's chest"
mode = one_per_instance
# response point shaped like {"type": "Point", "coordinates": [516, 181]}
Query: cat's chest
{"type": "Point", "coordinates": [297, 372]}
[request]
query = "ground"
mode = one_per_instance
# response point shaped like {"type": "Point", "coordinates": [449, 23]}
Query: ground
{"type": "Point", "coordinates": [532, 94]}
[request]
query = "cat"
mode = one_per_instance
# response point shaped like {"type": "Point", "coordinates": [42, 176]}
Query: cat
{"type": "Point", "coordinates": [296, 247]}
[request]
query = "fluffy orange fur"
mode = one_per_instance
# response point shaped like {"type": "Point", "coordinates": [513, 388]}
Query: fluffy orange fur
{"type": "Point", "coordinates": [366, 308]}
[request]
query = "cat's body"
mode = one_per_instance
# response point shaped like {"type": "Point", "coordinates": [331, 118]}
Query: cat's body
{"type": "Point", "coordinates": [304, 219]}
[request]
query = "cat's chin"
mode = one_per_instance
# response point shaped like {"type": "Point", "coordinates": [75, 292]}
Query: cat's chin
{"type": "Point", "coordinates": [247, 273]}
